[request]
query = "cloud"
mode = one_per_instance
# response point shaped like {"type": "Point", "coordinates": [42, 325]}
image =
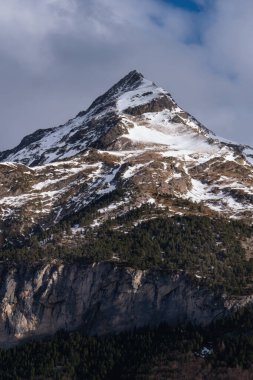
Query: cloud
{"type": "Point", "coordinates": [57, 55]}
{"type": "Point", "coordinates": [26, 28]}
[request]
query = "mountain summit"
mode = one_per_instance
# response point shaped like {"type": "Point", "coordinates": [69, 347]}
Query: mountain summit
{"type": "Point", "coordinates": [124, 217]}
{"type": "Point", "coordinates": [133, 141]}
{"type": "Point", "coordinates": [110, 123]}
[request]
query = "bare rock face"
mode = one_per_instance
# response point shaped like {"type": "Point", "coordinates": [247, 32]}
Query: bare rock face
{"type": "Point", "coordinates": [156, 105]}
{"type": "Point", "coordinates": [102, 298]}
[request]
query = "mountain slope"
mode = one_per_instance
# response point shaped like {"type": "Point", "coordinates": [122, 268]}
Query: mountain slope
{"type": "Point", "coordinates": [134, 140]}
{"type": "Point", "coordinates": [102, 123]}
{"type": "Point", "coordinates": [125, 215]}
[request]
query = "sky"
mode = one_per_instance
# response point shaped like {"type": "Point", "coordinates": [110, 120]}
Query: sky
{"type": "Point", "coordinates": [56, 56]}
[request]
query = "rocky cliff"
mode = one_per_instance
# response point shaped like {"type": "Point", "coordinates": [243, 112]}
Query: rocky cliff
{"type": "Point", "coordinates": [101, 298]}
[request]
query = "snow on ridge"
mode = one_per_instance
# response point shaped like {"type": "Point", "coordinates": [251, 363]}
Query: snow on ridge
{"type": "Point", "coordinates": [107, 185]}
{"type": "Point", "coordinates": [146, 92]}
{"type": "Point", "coordinates": [218, 201]}
{"type": "Point", "coordinates": [37, 198]}
{"type": "Point", "coordinates": [68, 173]}
{"type": "Point", "coordinates": [52, 140]}
{"type": "Point", "coordinates": [9, 163]}
{"type": "Point", "coordinates": [112, 207]}
{"type": "Point", "coordinates": [160, 132]}
{"type": "Point", "coordinates": [131, 170]}
{"type": "Point", "coordinates": [186, 142]}
{"type": "Point", "coordinates": [55, 143]}
{"type": "Point", "coordinates": [53, 146]}
{"type": "Point", "coordinates": [248, 154]}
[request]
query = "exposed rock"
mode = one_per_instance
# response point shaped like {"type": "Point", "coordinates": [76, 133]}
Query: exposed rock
{"type": "Point", "coordinates": [102, 298]}
{"type": "Point", "coordinates": [156, 105]}
{"type": "Point", "coordinates": [132, 147]}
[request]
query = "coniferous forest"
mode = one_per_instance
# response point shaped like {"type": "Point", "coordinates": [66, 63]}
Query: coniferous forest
{"type": "Point", "coordinates": [210, 248]}
{"type": "Point", "coordinates": [223, 351]}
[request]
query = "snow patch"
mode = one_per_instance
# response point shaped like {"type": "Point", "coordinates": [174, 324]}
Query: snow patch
{"type": "Point", "coordinates": [132, 170]}
{"type": "Point", "coordinates": [144, 94]}
{"type": "Point", "coordinates": [107, 182]}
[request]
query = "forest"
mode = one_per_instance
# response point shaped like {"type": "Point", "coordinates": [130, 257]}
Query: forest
{"type": "Point", "coordinates": [210, 250]}
{"type": "Point", "coordinates": [223, 351]}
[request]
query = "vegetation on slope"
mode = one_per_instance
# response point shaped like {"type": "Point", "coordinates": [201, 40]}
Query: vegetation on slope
{"type": "Point", "coordinates": [209, 249]}
{"type": "Point", "coordinates": [161, 353]}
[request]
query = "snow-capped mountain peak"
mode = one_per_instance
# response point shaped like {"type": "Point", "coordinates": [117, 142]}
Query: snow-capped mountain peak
{"type": "Point", "coordinates": [108, 118]}
{"type": "Point", "coordinates": [133, 140]}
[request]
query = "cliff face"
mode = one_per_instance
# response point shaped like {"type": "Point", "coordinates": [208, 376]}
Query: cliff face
{"type": "Point", "coordinates": [102, 298]}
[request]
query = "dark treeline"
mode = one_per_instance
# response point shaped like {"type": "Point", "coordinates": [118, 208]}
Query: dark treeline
{"type": "Point", "coordinates": [138, 354]}
{"type": "Point", "coordinates": [209, 248]}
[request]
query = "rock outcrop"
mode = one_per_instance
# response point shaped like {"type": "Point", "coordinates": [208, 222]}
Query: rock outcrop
{"type": "Point", "coordinates": [101, 298]}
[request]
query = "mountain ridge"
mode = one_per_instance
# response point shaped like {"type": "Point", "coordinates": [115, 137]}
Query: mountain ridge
{"type": "Point", "coordinates": [76, 130]}
{"type": "Point", "coordinates": [131, 213]}
{"type": "Point", "coordinates": [133, 139]}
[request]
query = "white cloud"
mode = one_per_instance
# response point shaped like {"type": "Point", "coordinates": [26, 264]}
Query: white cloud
{"type": "Point", "coordinates": [25, 27]}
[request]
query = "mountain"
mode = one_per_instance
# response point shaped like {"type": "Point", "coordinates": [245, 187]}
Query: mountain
{"type": "Point", "coordinates": [112, 118]}
{"type": "Point", "coordinates": [131, 213]}
{"type": "Point", "coordinates": [134, 139]}
{"type": "Point", "coordinates": [105, 123]}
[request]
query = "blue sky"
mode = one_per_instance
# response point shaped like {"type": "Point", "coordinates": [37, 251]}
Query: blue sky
{"type": "Point", "coordinates": [196, 10]}
{"type": "Point", "coordinates": [56, 56]}
{"type": "Point", "coordinates": [188, 5]}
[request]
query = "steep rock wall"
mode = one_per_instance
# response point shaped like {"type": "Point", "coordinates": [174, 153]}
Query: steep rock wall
{"type": "Point", "coordinates": [102, 298]}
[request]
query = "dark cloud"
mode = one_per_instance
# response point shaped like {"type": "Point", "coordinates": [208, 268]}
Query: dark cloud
{"type": "Point", "coordinates": [56, 56]}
